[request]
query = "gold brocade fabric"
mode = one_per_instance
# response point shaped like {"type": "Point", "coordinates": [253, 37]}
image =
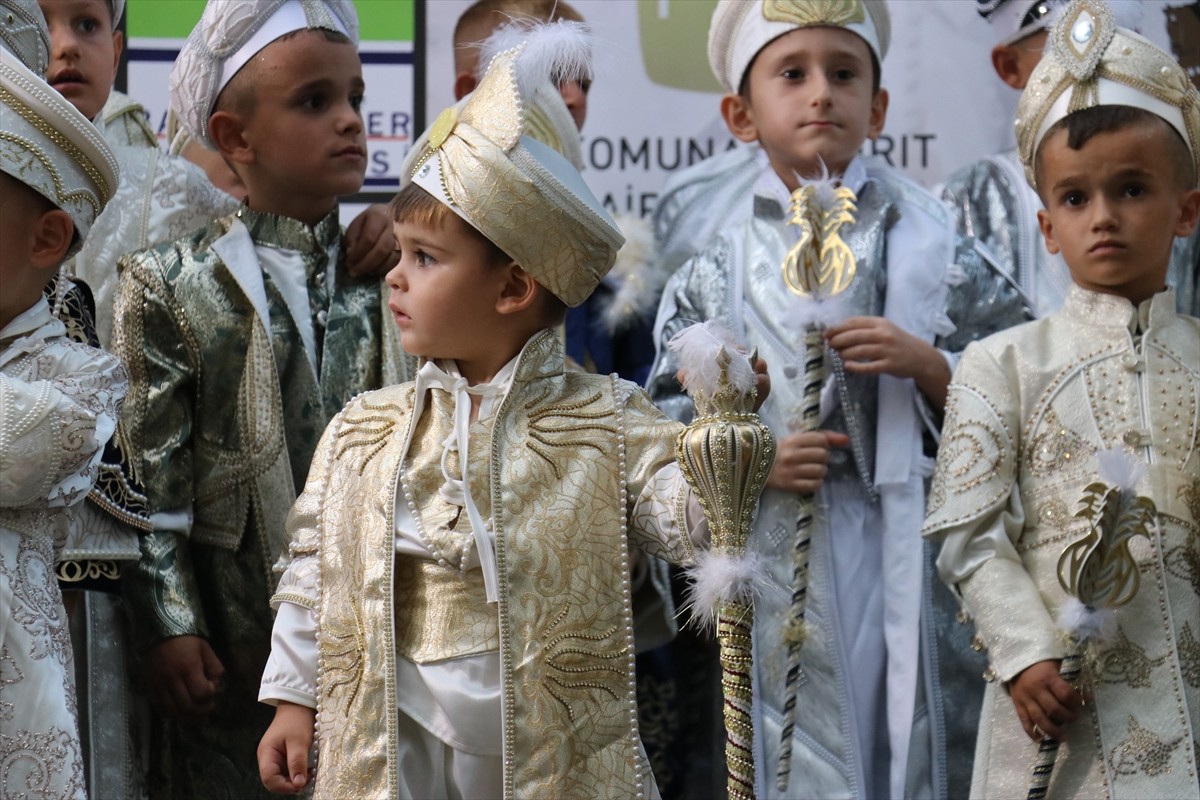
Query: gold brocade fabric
{"type": "Point", "coordinates": [441, 612]}
{"type": "Point", "coordinates": [568, 453]}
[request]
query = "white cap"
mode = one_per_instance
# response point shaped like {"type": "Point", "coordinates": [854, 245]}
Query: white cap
{"type": "Point", "coordinates": [741, 28]}
{"type": "Point", "coordinates": [228, 35]}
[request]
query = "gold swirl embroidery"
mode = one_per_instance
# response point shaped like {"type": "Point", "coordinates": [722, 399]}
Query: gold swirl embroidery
{"type": "Point", "coordinates": [570, 426]}
{"type": "Point", "coordinates": [576, 662]}
{"type": "Point", "coordinates": [1143, 751]}
{"type": "Point", "coordinates": [372, 430]}
{"type": "Point", "coordinates": [343, 660]}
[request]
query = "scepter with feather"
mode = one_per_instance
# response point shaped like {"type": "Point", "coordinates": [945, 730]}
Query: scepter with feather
{"type": "Point", "coordinates": [725, 454]}
{"type": "Point", "coordinates": [1099, 575]}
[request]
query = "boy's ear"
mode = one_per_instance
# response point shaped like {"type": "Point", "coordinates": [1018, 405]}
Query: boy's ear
{"type": "Point", "coordinates": [464, 84]}
{"type": "Point", "coordinates": [1006, 62]}
{"type": "Point", "coordinates": [739, 117]}
{"type": "Point", "coordinates": [518, 292]}
{"type": "Point", "coordinates": [228, 133]}
{"type": "Point", "coordinates": [1189, 212]}
{"type": "Point", "coordinates": [53, 233]}
{"type": "Point", "coordinates": [1048, 232]}
{"type": "Point", "coordinates": [118, 48]}
{"type": "Point", "coordinates": [879, 107]}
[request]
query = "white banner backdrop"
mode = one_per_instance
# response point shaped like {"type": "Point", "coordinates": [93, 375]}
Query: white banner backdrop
{"type": "Point", "coordinates": [947, 107]}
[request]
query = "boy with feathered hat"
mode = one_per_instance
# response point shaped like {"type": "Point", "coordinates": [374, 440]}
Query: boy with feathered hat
{"type": "Point", "coordinates": [851, 700]}
{"type": "Point", "coordinates": [1076, 434]}
{"type": "Point", "coordinates": [58, 405]}
{"type": "Point", "coordinates": [455, 613]}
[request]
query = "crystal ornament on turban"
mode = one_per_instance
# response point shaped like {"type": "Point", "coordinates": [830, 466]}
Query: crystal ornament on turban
{"type": "Point", "coordinates": [229, 34]}
{"type": "Point", "coordinates": [1090, 62]}
{"type": "Point", "coordinates": [46, 144]}
{"type": "Point", "coordinates": [740, 28]}
{"type": "Point", "coordinates": [481, 160]}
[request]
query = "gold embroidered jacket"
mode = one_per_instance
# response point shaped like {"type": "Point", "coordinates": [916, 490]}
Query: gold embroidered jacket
{"type": "Point", "coordinates": [570, 454]}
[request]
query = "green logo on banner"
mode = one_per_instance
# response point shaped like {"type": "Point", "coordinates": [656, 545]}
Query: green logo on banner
{"type": "Point", "coordinates": [674, 37]}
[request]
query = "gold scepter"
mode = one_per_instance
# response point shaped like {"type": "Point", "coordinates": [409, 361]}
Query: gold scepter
{"type": "Point", "coordinates": [725, 455]}
{"type": "Point", "coordinates": [817, 268]}
{"type": "Point", "coordinates": [1099, 575]}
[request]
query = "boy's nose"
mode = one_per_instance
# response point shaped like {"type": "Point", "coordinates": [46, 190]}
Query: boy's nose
{"type": "Point", "coordinates": [1104, 215]}
{"type": "Point", "coordinates": [821, 94]}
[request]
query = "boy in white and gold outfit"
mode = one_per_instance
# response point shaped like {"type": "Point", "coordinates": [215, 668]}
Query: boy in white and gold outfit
{"type": "Point", "coordinates": [1109, 133]}
{"type": "Point", "coordinates": [486, 511]}
{"type": "Point", "coordinates": [58, 407]}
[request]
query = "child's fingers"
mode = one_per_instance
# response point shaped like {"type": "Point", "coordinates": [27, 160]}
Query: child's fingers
{"type": "Point", "coordinates": [273, 769]}
{"type": "Point", "coordinates": [835, 439]}
{"type": "Point", "coordinates": [297, 762]}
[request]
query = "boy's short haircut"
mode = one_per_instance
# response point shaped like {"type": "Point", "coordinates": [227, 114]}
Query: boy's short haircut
{"type": "Point", "coordinates": [414, 204]}
{"type": "Point", "coordinates": [1082, 125]}
{"type": "Point", "coordinates": [238, 97]}
{"type": "Point", "coordinates": [417, 206]}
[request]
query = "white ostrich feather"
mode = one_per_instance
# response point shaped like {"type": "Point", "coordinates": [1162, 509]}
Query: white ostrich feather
{"type": "Point", "coordinates": [638, 276]}
{"type": "Point", "coordinates": [823, 312]}
{"type": "Point", "coordinates": [1120, 469]}
{"type": "Point", "coordinates": [554, 51]}
{"type": "Point", "coordinates": [698, 348]}
{"type": "Point", "coordinates": [718, 578]}
{"type": "Point", "coordinates": [1086, 623]}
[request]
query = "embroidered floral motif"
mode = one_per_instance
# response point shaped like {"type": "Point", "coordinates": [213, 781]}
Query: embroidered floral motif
{"type": "Point", "coordinates": [1190, 495]}
{"type": "Point", "coordinates": [1189, 655]}
{"type": "Point", "coordinates": [1143, 751]}
{"type": "Point", "coordinates": [574, 658]}
{"type": "Point", "coordinates": [1126, 662]}
{"type": "Point", "coordinates": [1184, 562]}
{"type": "Point", "coordinates": [1055, 447]}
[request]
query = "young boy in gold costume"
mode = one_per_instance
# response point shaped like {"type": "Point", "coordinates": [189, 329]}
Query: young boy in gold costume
{"type": "Point", "coordinates": [455, 615]}
{"type": "Point", "coordinates": [1104, 394]}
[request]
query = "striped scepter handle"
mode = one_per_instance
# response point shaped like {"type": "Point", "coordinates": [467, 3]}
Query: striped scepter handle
{"type": "Point", "coordinates": [735, 625]}
{"type": "Point", "coordinates": [1043, 767]}
{"type": "Point", "coordinates": [809, 418]}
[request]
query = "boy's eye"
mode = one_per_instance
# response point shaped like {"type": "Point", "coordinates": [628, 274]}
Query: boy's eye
{"type": "Point", "coordinates": [843, 74]}
{"type": "Point", "coordinates": [313, 102]}
{"type": "Point", "coordinates": [87, 25]}
{"type": "Point", "coordinates": [422, 258]}
{"type": "Point", "coordinates": [356, 100]}
{"type": "Point", "coordinates": [793, 74]}
{"type": "Point", "coordinates": [1135, 190]}
{"type": "Point", "coordinates": [1073, 198]}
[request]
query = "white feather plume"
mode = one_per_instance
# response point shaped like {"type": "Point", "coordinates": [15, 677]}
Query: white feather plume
{"type": "Point", "coordinates": [1119, 468]}
{"type": "Point", "coordinates": [1086, 623]}
{"type": "Point", "coordinates": [697, 348]}
{"type": "Point", "coordinates": [823, 312]}
{"type": "Point", "coordinates": [718, 578]}
{"type": "Point", "coordinates": [556, 51]}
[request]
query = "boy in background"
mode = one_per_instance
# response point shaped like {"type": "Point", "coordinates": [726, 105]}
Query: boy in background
{"type": "Point", "coordinates": [58, 407]}
{"type": "Point", "coordinates": [803, 81]}
{"type": "Point", "coordinates": [242, 340]}
{"type": "Point", "coordinates": [994, 203]}
{"type": "Point", "coordinates": [1107, 130]}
